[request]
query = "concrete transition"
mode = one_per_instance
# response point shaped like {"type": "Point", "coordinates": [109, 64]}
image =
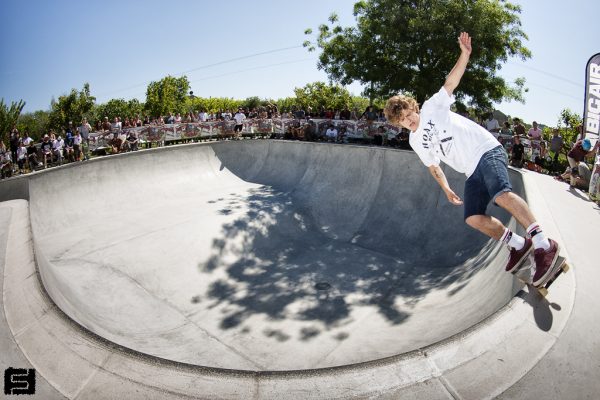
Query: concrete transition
{"type": "Point", "coordinates": [264, 258]}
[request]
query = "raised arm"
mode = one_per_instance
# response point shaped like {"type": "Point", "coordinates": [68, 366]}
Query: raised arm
{"type": "Point", "coordinates": [453, 78]}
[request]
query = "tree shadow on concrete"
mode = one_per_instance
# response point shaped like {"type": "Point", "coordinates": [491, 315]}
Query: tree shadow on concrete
{"type": "Point", "coordinates": [275, 260]}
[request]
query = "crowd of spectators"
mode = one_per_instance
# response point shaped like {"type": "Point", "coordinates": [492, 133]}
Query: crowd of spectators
{"type": "Point", "coordinates": [73, 143]}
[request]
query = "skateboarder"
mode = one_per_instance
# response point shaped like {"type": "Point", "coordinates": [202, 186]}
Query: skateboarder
{"type": "Point", "coordinates": [437, 134]}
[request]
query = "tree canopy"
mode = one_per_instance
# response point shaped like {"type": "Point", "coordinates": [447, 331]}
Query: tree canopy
{"type": "Point", "coordinates": [410, 46]}
{"type": "Point", "coordinates": [71, 107]}
{"type": "Point", "coordinates": [168, 95]}
{"type": "Point", "coordinates": [9, 116]}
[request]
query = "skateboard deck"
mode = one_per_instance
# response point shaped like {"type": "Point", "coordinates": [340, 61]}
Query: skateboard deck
{"type": "Point", "coordinates": [560, 267]}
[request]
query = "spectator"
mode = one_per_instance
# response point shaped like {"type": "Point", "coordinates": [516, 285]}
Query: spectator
{"type": "Point", "coordinates": [556, 144]}
{"type": "Point", "coordinates": [147, 120]}
{"type": "Point", "coordinates": [6, 167]}
{"type": "Point", "coordinates": [342, 135]}
{"type": "Point", "coordinates": [505, 130]}
{"type": "Point", "coordinates": [27, 139]}
{"type": "Point", "coordinates": [115, 128]}
{"type": "Point", "coordinates": [32, 156]}
{"type": "Point", "coordinates": [84, 130]}
{"type": "Point", "coordinates": [310, 130]}
{"type": "Point", "coordinates": [577, 177]}
{"type": "Point", "coordinates": [540, 160]}
{"type": "Point", "coordinates": [239, 118]}
{"type": "Point", "coordinates": [132, 141]}
{"type": "Point", "coordinates": [106, 125]}
{"type": "Point", "coordinates": [299, 113]}
{"type": "Point", "coordinates": [21, 157]}
{"type": "Point", "coordinates": [331, 134]}
{"type": "Point", "coordinates": [46, 148]}
{"type": "Point", "coordinates": [581, 149]}
{"type": "Point", "coordinates": [378, 136]}
{"type": "Point", "coordinates": [14, 142]}
{"type": "Point", "coordinates": [69, 137]}
{"type": "Point", "coordinates": [517, 153]}
{"type": "Point", "coordinates": [77, 146]}
{"type": "Point", "coordinates": [203, 116]}
{"type": "Point", "coordinates": [68, 149]}
{"type": "Point", "coordinates": [518, 128]}
{"type": "Point", "coordinates": [370, 115]}
{"type": "Point", "coordinates": [178, 119]}
{"type": "Point", "coordinates": [594, 189]}
{"type": "Point", "coordinates": [354, 114]}
{"type": "Point", "coordinates": [535, 133]}
{"type": "Point", "coordinates": [57, 149]}
{"type": "Point", "coordinates": [137, 122]}
{"type": "Point", "coordinates": [491, 124]}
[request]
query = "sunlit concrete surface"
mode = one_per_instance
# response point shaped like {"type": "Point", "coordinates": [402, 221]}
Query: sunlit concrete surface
{"type": "Point", "coordinates": [265, 267]}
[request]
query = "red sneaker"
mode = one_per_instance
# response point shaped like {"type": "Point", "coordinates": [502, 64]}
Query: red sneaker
{"type": "Point", "coordinates": [545, 261]}
{"type": "Point", "coordinates": [517, 257]}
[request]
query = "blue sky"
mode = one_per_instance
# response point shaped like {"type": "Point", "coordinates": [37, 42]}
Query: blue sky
{"type": "Point", "coordinates": [118, 47]}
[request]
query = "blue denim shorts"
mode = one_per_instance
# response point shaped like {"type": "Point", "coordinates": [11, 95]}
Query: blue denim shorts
{"type": "Point", "coordinates": [488, 181]}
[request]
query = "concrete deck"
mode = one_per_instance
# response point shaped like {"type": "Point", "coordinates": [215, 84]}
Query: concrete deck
{"type": "Point", "coordinates": [262, 269]}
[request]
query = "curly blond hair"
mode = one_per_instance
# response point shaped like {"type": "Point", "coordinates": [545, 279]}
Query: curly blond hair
{"type": "Point", "coordinates": [395, 105]}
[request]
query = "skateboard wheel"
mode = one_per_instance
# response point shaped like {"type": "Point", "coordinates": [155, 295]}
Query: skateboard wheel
{"type": "Point", "coordinates": [543, 291]}
{"type": "Point", "coordinates": [566, 267]}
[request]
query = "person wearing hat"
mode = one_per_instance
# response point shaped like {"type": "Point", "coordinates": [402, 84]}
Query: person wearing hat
{"type": "Point", "coordinates": [581, 149]}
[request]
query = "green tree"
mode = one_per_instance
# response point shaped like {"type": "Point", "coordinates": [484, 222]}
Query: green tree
{"type": "Point", "coordinates": [72, 107]}
{"type": "Point", "coordinates": [410, 46]}
{"type": "Point", "coordinates": [9, 117]}
{"type": "Point", "coordinates": [169, 95]}
{"type": "Point", "coordinates": [36, 123]}
{"type": "Point", "coordinates": [568, 123]}
{"type": "Point", "coordinates": [319, 94]}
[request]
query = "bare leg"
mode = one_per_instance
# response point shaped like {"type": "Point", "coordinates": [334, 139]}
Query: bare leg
{"type": "Point", "coordinates": [517, 207]}
{"type": "Point", "coordinates": [492, 227]}
{"type": "Point", "coordinates": [486, 224]}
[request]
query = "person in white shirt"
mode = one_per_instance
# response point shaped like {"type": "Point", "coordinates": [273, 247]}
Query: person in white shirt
{"type": "Point", "coordinates": [27, 139]}
{"type": "Point", "coordinates": [77, 146]}
{"type": "Point", "coordinates": [331, 133]}
{"type": "Point", "coordinates": [438, 134]}
{"type": "Point", "coordinates": [202, 116]}
{"type": "Point", "coordinates": [57, 149]}
{"type": "Point", "coordinates": [492, 125]}
{"type": "Point", "coordinates": [21, 156]}
{"type": "Point", "coordinates": [239, 118]}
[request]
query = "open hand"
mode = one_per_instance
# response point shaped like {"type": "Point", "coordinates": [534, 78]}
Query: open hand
{"type": "Point", "coordinates": [453, 198]}
{"type": "Point", "coordinates": [464, 41]}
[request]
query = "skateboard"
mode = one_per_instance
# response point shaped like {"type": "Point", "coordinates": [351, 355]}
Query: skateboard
{"type": "Point", "coordinates": [526, 273]}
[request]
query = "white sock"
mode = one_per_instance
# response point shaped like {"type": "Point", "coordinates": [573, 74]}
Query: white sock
{"type": "Point", "coordinates": [512, 239]}
{"type": "Point", "coordinates": [537, 237]}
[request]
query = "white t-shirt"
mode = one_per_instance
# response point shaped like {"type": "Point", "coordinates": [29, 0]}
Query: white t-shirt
{"type": "Point", "coordinates": [239, 118]}
{"type": "Point", "coordinates": [445, 136]}
{"type": "Point", "coordinates": [21, 153]}
{"type": "Point", "coordinates": [58, 144]}
{"type": "Point", "coordinates": [331, 132]}
{"type": "Point", "coordinates": [492, 124]}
